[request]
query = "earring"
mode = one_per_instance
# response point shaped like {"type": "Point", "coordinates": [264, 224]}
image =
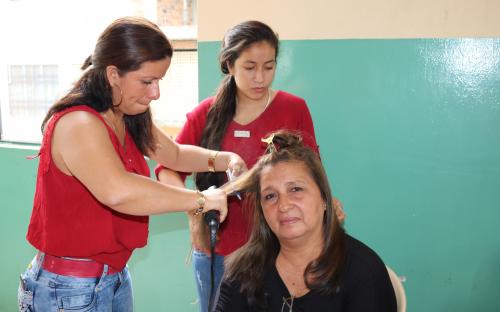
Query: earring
{"type": "Point", "coordinates": [121, 97]}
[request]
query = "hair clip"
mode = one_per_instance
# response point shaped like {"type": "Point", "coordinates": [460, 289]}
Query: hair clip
{"type": "Point", "coordinates": [270, 144]}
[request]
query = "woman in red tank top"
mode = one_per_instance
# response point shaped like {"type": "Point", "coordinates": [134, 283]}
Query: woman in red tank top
{"type": "Point", "coordinates": [93, 193]}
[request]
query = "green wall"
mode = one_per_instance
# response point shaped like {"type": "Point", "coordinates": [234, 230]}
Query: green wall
{"type": "Point", "coordinates": [17, 184]}
{"type": "Point", "coordinates": [409, 133]}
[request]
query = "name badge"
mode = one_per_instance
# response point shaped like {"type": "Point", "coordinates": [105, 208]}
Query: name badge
{"type": "Point", "coordinates": [241, 134]}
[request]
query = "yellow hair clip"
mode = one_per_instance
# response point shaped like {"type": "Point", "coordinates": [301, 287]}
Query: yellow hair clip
{"type": "Point", "coordinates": [270, 144]}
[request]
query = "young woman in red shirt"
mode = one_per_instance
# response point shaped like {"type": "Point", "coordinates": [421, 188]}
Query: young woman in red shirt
{"type": "Point", "coordinates": [242, 112]}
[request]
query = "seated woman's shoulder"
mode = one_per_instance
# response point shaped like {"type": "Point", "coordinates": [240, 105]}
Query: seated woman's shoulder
{"type": "Point", "coordinates": [362, 259]}
{"type": "Point", "coordinates": [365, 281]}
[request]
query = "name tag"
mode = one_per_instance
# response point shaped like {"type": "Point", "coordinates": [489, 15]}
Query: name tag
{"type": "Point", "coordinates": [241, 134]}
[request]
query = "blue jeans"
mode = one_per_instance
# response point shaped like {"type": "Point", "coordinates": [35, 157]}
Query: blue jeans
{"type": "Point", "coordinates": [201, 266]}
{"type": "Point", "coordinates": [41, 290]}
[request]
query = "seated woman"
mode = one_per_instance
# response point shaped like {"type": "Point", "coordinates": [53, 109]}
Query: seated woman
{"type": "Point", "coordinates": [298, 257]}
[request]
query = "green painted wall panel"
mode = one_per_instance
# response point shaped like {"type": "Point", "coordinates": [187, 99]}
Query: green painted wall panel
{"type": "Point", "coordinates": [17, 185]}
{"type": "Point", "coordinates": [409, 132]}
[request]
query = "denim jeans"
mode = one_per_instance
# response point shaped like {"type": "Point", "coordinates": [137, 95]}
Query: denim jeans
{"type": "Point", "coordinates": [201, 266]}
{"type": "Point", "coordinates": [41, 290]}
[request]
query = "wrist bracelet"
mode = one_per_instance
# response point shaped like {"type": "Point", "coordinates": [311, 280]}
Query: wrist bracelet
{"type": "Point", "coordinates": [201, 203]}
{"type": "Point", "coordinates": [211, 161]}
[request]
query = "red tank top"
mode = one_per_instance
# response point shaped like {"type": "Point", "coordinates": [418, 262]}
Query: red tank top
{"type": "Point", "coordinates": [67, 220]}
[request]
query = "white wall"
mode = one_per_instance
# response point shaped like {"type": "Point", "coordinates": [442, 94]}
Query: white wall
{"type": "Point", "coordinates": [334, 19]}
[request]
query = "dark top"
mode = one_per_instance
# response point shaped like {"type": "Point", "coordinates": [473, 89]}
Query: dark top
{"type": "Point", "coordinates": [366, 287]}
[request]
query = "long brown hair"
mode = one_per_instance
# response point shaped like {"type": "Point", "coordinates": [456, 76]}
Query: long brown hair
{"type": "Point", "coordinates": [248, 265]}
{"type": "Point", "coordinates": [222, 111]}
{"type": "Point", "coordinates": [126, 43]}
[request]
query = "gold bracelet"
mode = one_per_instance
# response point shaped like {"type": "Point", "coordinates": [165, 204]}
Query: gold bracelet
{"type": "Point", "coordinates": [201, 203]}
{"type": "Point", "coordinates": [211, 161]}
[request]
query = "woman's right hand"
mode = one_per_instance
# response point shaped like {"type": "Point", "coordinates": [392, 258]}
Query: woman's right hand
{"type": "Point", "coordinates": [216, 199]}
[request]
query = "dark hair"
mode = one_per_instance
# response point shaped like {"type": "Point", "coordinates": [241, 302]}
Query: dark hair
{"type": "Point", "coordinates": [126, 43]}
{"type": "Point", "coordinates": [248, 264]}
{"type": "Point", "coordinates": [222, 111]}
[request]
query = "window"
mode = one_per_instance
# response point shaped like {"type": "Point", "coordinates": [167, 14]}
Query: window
{"type": "Point", "coordinates": [179, 91]}
{"type": "Point", "coordinates": [45, 49]}
{"type": "Point", "coordinates": [30, 91]}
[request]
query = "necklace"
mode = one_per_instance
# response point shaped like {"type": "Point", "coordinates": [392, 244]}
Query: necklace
{"type": "Point", "coordinates": [268, 99]}
{"type": "Point", "coordinates": [292, 278]}
{"type": "Point", "coordinates": [249, 112]}
{"type": "Point", "coordinates": [286, 304]}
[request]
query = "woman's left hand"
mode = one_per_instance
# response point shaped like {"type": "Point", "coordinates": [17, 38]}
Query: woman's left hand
{"type": "Point", "coordinates": [236, 165]}
{"type": "Point", "coordinates": [339, 209]}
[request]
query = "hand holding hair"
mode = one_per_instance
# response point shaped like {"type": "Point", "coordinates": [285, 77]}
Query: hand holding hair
{"type": "Point", "coordinates": [216, 199]}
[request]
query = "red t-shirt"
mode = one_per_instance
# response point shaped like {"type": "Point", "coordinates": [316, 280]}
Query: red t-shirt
{"type": "Point", "coordinates": [67, 220]}
{"type": "Point", "coordinates": [286, 111]}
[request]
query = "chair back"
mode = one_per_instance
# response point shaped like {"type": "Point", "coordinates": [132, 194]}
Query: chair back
{"type": "Point", "coordinates": [398, 290]}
